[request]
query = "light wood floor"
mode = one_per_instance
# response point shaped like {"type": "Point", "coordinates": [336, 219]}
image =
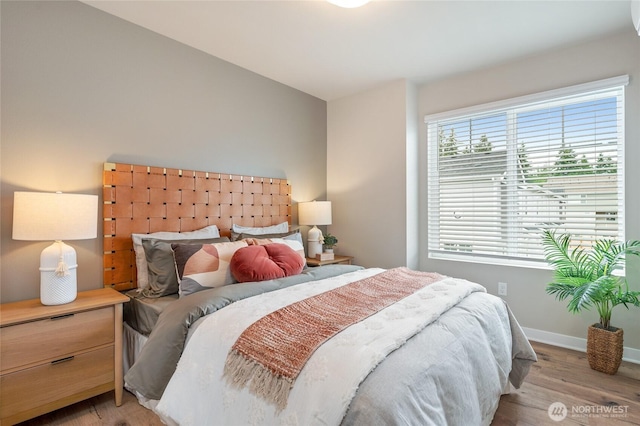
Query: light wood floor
{"type": "Point", "coordinates": [560, 375]}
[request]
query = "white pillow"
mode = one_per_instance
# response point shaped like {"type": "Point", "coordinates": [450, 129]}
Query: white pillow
{"type": "Point", "coordinates": [273, 229]}
{"type": "Point", "coordinates": [141, 260]}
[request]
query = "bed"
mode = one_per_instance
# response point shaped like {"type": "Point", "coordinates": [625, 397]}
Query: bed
{"type": "Point", "coordinates": [434, 350]}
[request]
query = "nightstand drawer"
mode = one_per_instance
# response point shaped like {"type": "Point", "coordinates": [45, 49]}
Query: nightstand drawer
{"type": "Point", "coordinates": [49, 339]}
{"type": "Point", "coordinates": [58, 383]}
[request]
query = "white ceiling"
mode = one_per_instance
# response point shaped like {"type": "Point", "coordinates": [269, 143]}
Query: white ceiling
{"type": "Point", "coordinates": [330, 52]}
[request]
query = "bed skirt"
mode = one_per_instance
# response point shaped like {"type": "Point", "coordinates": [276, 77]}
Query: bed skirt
{"type": "Point", "coordinates": [132, 343]}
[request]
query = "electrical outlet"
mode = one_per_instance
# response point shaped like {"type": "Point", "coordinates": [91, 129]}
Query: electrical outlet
{"type": "Point", "coordinates": [502, 289]}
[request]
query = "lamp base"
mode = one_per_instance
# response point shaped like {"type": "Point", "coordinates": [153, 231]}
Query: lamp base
{"type": "Point", "coordinates": [58, 280]}
{"type": "Point", "coordinates": [314, 242]}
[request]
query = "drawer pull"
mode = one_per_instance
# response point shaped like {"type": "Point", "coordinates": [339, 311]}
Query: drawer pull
{"type": "Point", "coordinates": [61, 360]}
{"type": "Point", "coordinates": [59, 317]}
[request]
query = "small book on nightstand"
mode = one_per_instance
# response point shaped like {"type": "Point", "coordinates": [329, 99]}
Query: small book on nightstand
{"type": "Point", "coordinates": [324, 256]}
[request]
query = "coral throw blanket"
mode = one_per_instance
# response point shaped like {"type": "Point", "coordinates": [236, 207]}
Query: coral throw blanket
{"type": "Point", "coordinates": [271, 352]}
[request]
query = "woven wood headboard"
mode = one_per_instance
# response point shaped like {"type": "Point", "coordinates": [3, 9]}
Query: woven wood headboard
{"type": "Point", "coordinates": [145, 199]}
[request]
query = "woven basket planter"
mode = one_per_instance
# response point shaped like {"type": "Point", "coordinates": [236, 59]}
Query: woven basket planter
{"type": "Point", "coordinates": [604, 349]}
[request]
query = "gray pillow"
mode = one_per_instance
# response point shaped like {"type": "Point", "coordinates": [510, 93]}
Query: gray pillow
{"type": "Point", "coordinates": [161, 264]}
{"type": "Point", "coordinates": [291, 235]}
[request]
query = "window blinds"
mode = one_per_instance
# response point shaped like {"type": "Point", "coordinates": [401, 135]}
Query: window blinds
{"type": "Point", "coordinates": [499, 174]}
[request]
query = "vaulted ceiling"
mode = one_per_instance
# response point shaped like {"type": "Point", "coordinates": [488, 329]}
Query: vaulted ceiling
{"type": "Point", "coordinates": [330, 52]}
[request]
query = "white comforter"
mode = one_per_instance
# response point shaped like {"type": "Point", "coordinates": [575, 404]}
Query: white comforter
{"type": "Point", "coordinates": [198, 395]}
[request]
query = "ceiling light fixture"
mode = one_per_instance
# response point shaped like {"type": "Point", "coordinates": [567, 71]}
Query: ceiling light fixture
{"type": "Point", "coordinates": [350, 4]}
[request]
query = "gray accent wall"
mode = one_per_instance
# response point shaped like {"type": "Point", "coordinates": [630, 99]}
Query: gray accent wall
{"type": "Point", "coordinates": [81, 87]}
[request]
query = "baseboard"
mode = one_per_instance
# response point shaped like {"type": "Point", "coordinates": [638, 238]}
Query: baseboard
{"type": "Point", "coordinates": [575, 343]}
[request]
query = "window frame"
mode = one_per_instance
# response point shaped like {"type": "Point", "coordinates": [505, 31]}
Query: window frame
{"type": "Point", "coordinates": [515, 106]}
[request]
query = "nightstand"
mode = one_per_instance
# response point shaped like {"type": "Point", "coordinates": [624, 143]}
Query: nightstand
{"type": "Point", "coordinates": [337, 260]}
{"type": "Point", "coordinates": [53, 356]}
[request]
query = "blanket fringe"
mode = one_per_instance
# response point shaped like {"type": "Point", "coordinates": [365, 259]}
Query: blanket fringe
{"type": "Point", "coordinates": [240, 371]}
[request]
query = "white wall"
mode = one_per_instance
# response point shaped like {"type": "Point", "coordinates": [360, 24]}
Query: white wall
{"type": "Point", "coordinates": [591, 61]}
{"type": "Point", "coordinates": [81, 87]}
{"type": "Point", "coordinates": [370, 137]}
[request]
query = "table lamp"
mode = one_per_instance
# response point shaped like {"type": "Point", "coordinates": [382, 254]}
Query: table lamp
{"type": "Point", "coordinates": [39, 216]}
{"type": "Point", "coordinates": [314, 213]}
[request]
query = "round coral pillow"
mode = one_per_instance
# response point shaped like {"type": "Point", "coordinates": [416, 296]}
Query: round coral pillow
{"type": "Point", "coordinates": [266, 262]}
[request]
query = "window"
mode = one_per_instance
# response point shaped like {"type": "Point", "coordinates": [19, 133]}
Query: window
{"type": "Point", "coordinates": [499, 174]}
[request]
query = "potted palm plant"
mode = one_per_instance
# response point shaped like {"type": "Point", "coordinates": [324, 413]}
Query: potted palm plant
{"type": "Point", "coordinates": [585, 277]}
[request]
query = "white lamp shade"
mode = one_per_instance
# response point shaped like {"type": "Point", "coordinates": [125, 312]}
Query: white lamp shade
{"type": "Point", "coordinates": [314, 213]}
{"type": "Point", "coordinates": [47, 216]}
